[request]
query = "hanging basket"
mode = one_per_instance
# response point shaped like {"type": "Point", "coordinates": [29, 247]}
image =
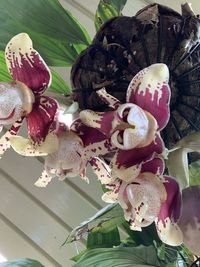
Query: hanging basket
{"type": "Point", "coordinates": [125, 45]}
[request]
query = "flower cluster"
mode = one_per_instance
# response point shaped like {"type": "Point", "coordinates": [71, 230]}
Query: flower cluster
{"type": "Point", "coordinates": [135, 175]}
{"type": "Point", "coordinates": [130, 132]}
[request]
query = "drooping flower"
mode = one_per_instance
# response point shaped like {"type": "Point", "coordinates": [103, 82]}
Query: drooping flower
{"type": "Point", "coordinates": [75, 148]}
{"type": "Point", "coordinates": [24, 97]}
{"type": "Point", "coordinates": [149, 197]}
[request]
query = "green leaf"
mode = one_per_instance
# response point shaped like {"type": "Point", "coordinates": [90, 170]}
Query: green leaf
{"type": "Point", "coordinates": [54, 31]}
{"type": "Point", "coordinates": [4, 74]}
{"type": "Point", "coordinates": [54, 52]}
{"type": "Point", "coordinates": [58, 85]}
{"type": "Point", "coordinates": [103, 240]}
{"type": "Point", "coordinates": [194, 173]}
{"type": "Point", "coordinates": [106, 10]}
{"type": "Point", "coordinates": [115, 257]}
{"type": "Point", "coordinates": [103, 221]}
{"type": "Point", "coordinates": [77, 257]}
{"type": "Point", "coordinates": [146, 237]}
{"type": "Point", "coordinates": [118, 4]}
{"type": "Point", "coordinates": [22, 263]}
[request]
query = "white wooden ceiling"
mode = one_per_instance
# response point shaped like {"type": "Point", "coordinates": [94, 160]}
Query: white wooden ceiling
{"type": "Point", "coordinates": [35, 222]}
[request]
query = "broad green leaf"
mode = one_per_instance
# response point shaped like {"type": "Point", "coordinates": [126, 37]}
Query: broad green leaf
{"type": "Point", "coordinates": [108, 9]}
{"type": "Point", "coordinates": [114, 257]}
{"type": "Point", "coordinates": [22, 263]}
{"type": "Point", "coordinates": [103, 240]}
{"type": "Point", "coordinates": [194, 173]}
{"type": "Point", "coordinates": [58, 85]}
{"type": "Point", "coordinates": [103, 221]}
{"type": "Point", "coordinates": [4, 74]}
{"type": "Point", "coordinates": [146, 237]}
{"type": "Point", "coordinates": [54, 52]}
{"type": "Point", "coordinates": [118, 4]}
{"type": "Point", "coordinates": [54, 31]}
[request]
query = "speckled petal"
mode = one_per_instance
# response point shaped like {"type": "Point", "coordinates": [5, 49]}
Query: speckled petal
{"type": "Point", "coordinates": [149, 89]}
{"type": "Point", "coordinates": [167, 220]}
{"type": "Point", "coordinates": [110, 100]}
{"type": "Point", "coordinates": [26, 65]}
{"type": "Point", "coordinates": [43, 180]}
{"type": "Point", "coordinates": [25, 147]}
{"type": "Point", "coordinates": [5, 139]}
{"type": "Point", "coordinates": [132, 127]}
{"type": "Point", "coordinates": [11, 103]}
{"type": "Point", "coordinates": [101, 170]}
{"type": "Point", "coordinates": [41, 118]}
{"type": "Point", "coordinates": [95, 142]}
{"type": "Point", "coordinates": [101, 121]}
{"type": "Point", "coordinates": [127, 164]}
{"type": "Point", "coordinates": [110, 197]}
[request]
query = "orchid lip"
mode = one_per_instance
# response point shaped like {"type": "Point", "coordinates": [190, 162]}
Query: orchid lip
{"type": "Point", "coordinates": [10, 116]}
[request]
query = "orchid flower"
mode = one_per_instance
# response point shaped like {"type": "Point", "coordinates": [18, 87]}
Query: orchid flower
{"type": "Point", "coordinates": [135, 175]}
{"type": "Point", "coordinates": [134, 127]}
{"type": "Point", "coordinates": [76, 147]}
{"type": "Point", "coordinates": [24, 97]}
{"type": "Point", "coordinates": [150, 197]}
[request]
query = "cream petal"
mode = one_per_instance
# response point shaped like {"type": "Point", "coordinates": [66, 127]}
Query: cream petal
{"type": "Point", "coordinates": [110, 197]}
{"type": "Point", "coordinates": [43, 180]}
{"type": "Point", "coordinates": [5, 139]}
{"type": "Point", "coordinates": [25, 147]}
{"type": "Point", "coordinates": [169, 232]}
{"type": "Point", "coordinates": [101, 170]}
{"type": "Point", "coordinates": [26, 65]}
{"type": "Point", "coordinates": [110, 100]}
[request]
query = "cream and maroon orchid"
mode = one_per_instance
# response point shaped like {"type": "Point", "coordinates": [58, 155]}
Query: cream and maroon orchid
{"type": "Point", "coordinates": [149, 197]}
{"type": "Point", "coordinates": [75, 148]}
{"type": "Point", "coordinates": [135, 175]}
{"type": "Point", "coordinates": [23, 98]}
{"type": "Point", "coordinates": [134, 127]}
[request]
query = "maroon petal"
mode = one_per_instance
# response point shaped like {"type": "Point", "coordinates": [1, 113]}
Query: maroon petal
{"type": "Point", "coordinates": [135, 156]}
{"type": "Point", "coordinates": [127, 164]}
{"type": "Point", "coordinates": [170, 211]}
{"type": "Point", "coordinates": [95, 142]}
{"type": "Point", "coordinates": [149, 89]}
{"type": "Point", "coordinates": [5, 139]}
{"type": "Point", "coordinates": [190, 219]}
{"type": "Point", "coordinates": [102, 121]}
{"type": "Point", "coordinates": [26, 65]}
{"type": "Point", "coordinates": [41, 118]}
{"type": "Point", "coordinates": [155, 166]}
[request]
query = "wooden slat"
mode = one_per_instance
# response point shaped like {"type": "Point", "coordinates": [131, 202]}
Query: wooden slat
{"type": "Point", "coordinates": [14, 244]}
{"type": "Point", "coordinates": [61, 199]}
{"type": "Point", "coordinates": [34, 222]}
